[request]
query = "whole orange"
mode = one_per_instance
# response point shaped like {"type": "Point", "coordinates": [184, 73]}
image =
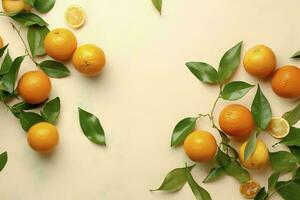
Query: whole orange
{"type": "Point", "coordinates": [1, 42]}
{"type": "Point", "coordinates": [34, 87]}
{"type": "Point", "coordinates": [15, 6]}
{"type": "Point", "coordinates": [89, 59]}
{"type": "Point", "coordinates": [43, 137]}
{"type": "Point", "coordinates": [200, 146]}
{"type": "Point", "coordinates": [286, 82]}
{"type": "Point", "coordinates": [260, 61]}
{"type": "Point", "coordinates": [60, 44]}
{"type": "Point", "coordinates": [237, 121]}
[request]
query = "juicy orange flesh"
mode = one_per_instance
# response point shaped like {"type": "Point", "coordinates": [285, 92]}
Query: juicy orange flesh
{"type": "Point", "coordinates": [249, 189]}
{"type": "Point", "coordinates": [278, 128]}
{"type": "Point", "coordinates": [75, 16]}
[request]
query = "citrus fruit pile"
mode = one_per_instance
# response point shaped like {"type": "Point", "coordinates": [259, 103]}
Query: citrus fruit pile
{"type": "Point", "coordinates": [34, 87]}
{"type": "Point", "coordinates": [240, 126]}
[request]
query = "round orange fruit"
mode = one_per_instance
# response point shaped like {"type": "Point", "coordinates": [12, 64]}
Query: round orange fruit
{"type": "Point", "coordinates": [89, 59]}
{"type": "Point", "coordinates": [286, 82]}
{"type": "Point", "coordinates": [1, 42]}
{"type": "Point", "coordinates": [237, 121]}
{"type": "Point", "coordinates": [60, 44]}
{"type": "Point", "coordinates": [200, 146]}
{"type": "Point", "coordinates": [34, 87]}
{"type": "Point", "coordinates": [43, 137]}
{"type": "Point", "coordinates": [260, 61]}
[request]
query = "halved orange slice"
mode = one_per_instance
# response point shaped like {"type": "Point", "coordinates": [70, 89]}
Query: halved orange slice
{"type": "Point", "coordinates": [278, 127]}
{"type": "Point", "coordinates": [249, 189]}
{"type": "Point", "coordinates": [75, 16]}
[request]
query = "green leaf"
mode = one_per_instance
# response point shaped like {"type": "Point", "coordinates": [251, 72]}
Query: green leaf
{"type": "Point", "coordinates": [229, 62]}
{"type": "Point", "coordinates": [250, 146]}
{"type": "Point", "coordinates": [28, 119]}
{"type": "Point", "coordinates": [30, 2]}
{"type": "Point", "coordinates": [24, 106]}
{"type": "Point", "coordinates": [283, 161]}
{"type": "Point", "coordinates": [9, 79]}
{"type": "Point", "coordinates": [2, 50]}
{"type": "Point", "coordinates": [292, 116]}
{"type": "Point", "coordinates": [288, 190]}
{"type": "Point", "coordinates": [17, 108]}
{"type": "Point", "coordinates": [261, 110]}
{"type": "Point", "coordinates": [44, 6]}
{"type": "Point", "coordinates": [6, 64]}
{"type": "Point", "coordinates": [225, 138]}
{"type": "Point", "coordinates": [231, 152]}
{"type": "Point", "coordinates": [35, 37]}
{"type": "Point", "coordinates": [3, 160]}
{"type": "Point", "coordinates": [199, 192]}
{"type": "Point", "coordinates": [204, 72]}
{"type": "Point", "coordinates": [214, 174]}
{"type": "Point", "coordinates": [296, 55]}
{"type": "Point", "coordinates": [182, 130]}
{"type": "Point", "coordinates": [293, 138]}
{"type": "Point", "coordinates": [235, 90]}
{"type": "Point", "coordinates": [296, 152]}
{"type": "Point", "coordinates": [261, 195]}
{"type": "Point", "coordinates": [29, 19]}
{"type": "Point", "coordinates": [174, 180]}
{"type": "Point", "coordinates": [273, 179]}
{"type": "Point", "coordinates": [232, 167]}
{"type": "Point", "coordinates": [4, 96]}
{"type": "Point", "coordinates": [222, 158]}
{"type": "Point", "coordinates": [54, 69]}
{"type": "Point", "coordinates": [91, 127]}
{"type": "Point", "coordinates": [157, 4]}
{"type": "Point", "coordinates": [51, 110]}
{"type": "Point", "coordinates": [235, 170]}
{"type": "Point", "coordinates": [296, 176]}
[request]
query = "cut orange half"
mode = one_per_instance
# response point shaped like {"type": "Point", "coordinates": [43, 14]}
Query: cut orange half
{"type": "Point", "coordinates": [278, 127]}
{"type": "Point", "coordinates": [249, 189]}
{"type": "Point", "coordinates": [75, 16]}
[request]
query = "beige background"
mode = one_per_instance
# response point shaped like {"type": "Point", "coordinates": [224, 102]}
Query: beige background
{"type": "Point", "coordinates": [140, 96]}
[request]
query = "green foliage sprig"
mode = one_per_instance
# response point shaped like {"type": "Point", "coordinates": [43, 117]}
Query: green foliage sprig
{"type": "Point", "coordinates": [227, 157]}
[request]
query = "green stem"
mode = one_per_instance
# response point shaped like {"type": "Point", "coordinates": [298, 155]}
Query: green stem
{"type": "Point", "coordinates": [211, 116]}
{"type": "Point", "coordinates": [24, 43]}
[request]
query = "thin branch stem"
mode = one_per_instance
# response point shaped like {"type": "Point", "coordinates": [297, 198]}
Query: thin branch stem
{"type": "Point", "coordinates": [213, 109]}
{"type": "Point", "coordinates": [24, 43]}
{"type": "Point", "coordinates": [204, 115]}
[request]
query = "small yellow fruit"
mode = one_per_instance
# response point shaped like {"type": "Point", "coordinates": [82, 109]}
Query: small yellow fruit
{"type": "Point", "coordinates": [1, 42]}
{"type": "Point", "coordinates": [258, 159]}
{"type": "Point", "coordinates": [15, 6]}
{"type": "Point", "coordinates": [278, 127]}
{"type": "Point", "coordinates": [43, 137]}
{"type": "Point", "coordinates": [249, 189]}
{"type": "Point", "coordinates": [60, 44]}
{"type": "Point", "coordinates": [260, 61]}
{"type": "Point", "coordinates": [200, 146]}
{"type": "Point", "coordinates": [89, 59]}
{"type": "Point", "coordinates": [75, 16]}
